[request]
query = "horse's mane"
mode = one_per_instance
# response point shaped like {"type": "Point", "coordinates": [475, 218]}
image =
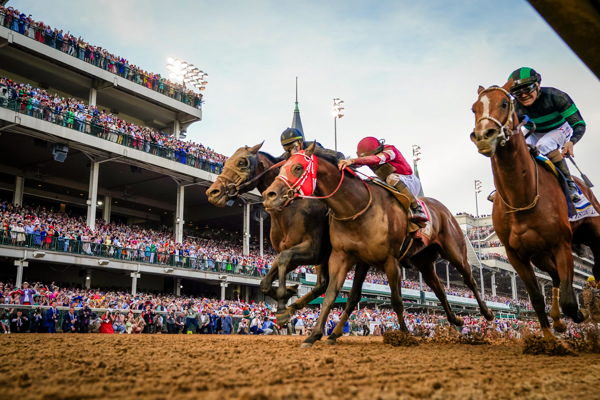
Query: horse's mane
{"type": "Point", "coordinates": [270, 157]}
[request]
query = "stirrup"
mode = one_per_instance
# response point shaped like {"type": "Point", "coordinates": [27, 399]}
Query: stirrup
{"type": "Point", "coordinates": [573, 192]}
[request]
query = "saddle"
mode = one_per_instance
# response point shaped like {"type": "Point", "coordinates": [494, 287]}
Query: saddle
{"type": "Point", "coordinates": [419, 233]}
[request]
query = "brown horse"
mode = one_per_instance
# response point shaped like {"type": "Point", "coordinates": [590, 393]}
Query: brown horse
{"type": "Point", "coordinates": [368, 226]}
{"type": "Point", "coordinates": [299, 233]}
{"type": "Point", "coordinates": [530, 212]}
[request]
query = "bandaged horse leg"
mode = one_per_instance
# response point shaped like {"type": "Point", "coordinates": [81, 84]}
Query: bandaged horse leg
{"type": "Point", "coordinates": [559, 162]}
{"type": "Point", "coordinates": [558, 324]}
{"type": "Point", "coordinates": [416, 213]}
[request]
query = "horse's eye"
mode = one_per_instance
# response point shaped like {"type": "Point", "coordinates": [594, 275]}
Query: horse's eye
{"type": "Point", "coordinates": [504, 104]}
{"type": "Point", "coordinates": [297, 170]}
{"type": "Point", "coordinates": [242, 163]}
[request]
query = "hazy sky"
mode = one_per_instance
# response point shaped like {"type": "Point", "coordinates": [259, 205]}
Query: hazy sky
{"type": "Point", "coordinates": [408, 71]}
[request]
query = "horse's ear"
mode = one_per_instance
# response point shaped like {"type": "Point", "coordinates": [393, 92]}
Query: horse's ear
{"type": "Point", "coordinates": [480, 89]}
{"type": "Point", "coordinates": [256, 148]}
{"type": "Point", "coordinates": [508, 85]}
{"type": "Point", "coordinates": [311, 149]}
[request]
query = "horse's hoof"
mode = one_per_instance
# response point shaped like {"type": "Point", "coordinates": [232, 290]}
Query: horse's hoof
{"type": "Point", "coordinates": [282, 319]}
{"type": "Point", "coordinates": [331, 342]}
{"type": "Point", "coordinates": [489, 316]}
{"type": "Point", "coordinates": [457, 321]}
{"type": "Point", "coordinates": [292, 290]}
{"type": "Point", "coordinates": [305, 345]}
{"type": "Point", "coordinates": [559, 326]}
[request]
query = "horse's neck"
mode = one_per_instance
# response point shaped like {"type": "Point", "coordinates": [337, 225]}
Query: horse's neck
{"type": "Point", "coordinates": [265, 181]}
{"type": "Point", "coordinates": [515, 172]}
{"type": "Point", "coordinates": [352, 195]}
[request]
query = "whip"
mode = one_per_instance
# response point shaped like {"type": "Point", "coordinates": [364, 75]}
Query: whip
{"type": "Point", "coordinates": [586, 180]}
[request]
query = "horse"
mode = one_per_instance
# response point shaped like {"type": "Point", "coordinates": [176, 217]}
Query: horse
{"type": "Point", "coordinates": [368, 226]}
{"type": "Point", "coordinates": [299, 233]}
{"type": "Point", "coordinates": [530, 211]}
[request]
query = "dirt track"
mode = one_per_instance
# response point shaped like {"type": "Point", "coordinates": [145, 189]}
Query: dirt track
{"type": "Point", "coordinates": [95, 366]}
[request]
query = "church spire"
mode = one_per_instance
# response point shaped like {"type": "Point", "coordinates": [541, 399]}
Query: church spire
{"type": "Point", "coordinates": [296, 122]}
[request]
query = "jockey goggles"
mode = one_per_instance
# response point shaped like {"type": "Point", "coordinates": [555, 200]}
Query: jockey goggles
{"type": "Point", "coordinates": [523, 90]}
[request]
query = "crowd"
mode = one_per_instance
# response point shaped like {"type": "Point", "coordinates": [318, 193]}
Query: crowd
{"type": "Point", "coordinates": [113, 311]}
{"type": "Point", "coordinates": [39, 227]}
{"type": "Point", "coordinates": [95, 55]}
{"type": "Point", "coordinates": [76, 114]}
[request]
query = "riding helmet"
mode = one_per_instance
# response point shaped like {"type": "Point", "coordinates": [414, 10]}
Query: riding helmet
{"type": "Point", "coordinates": [369, 145]}
{"type": "Point", "coordinates": [524, 77]}
{"type": "Point", "coordinates": [291, 135]}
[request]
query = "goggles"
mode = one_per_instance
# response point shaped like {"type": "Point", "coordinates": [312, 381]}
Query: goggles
{"type": "Point", "coordinates": [523, 90]}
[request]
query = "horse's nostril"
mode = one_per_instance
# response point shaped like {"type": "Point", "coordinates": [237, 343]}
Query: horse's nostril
{"type": "Point", "coordinates": [213, 192]}
{"type": "Point", "coordinates": [489, 133]}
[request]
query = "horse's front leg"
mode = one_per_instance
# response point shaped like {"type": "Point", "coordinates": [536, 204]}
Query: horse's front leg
{"type": "Point", "coordinates": [301, 254]}
{"type": "Point", "coordinates": [266, 284]}
{"type": "Point", "coordinates": [339, 264]}
{"type": "Point", "coordinates": [392, 271]}
{"type": "Point", "coordinates": [527, 275]}
{"type": "Point", "coordinates": [318, 290]}
{"type": "Point", "coordinates": [359, 277]}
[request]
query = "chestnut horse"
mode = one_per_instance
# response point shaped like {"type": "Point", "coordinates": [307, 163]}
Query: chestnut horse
{"type": "Point", "coordinates": [299, 233]}
{"type": "Point", "coordinates": [530, 212]}
{"type": "Point", "coordinates": [368, 226]}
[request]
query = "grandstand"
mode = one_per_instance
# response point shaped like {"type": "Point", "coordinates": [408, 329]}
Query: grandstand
{"type": "Point", "coordinates": [101, 149]}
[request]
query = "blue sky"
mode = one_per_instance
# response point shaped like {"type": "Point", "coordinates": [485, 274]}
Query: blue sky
{"type": "Point", "coordinates": [407, 71]}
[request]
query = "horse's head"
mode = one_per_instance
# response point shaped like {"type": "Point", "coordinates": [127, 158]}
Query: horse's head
{"type": "Point", "coordinates": [240, 168]}
{"type": "Point", "coordinates": [297, 177]}
{"type": "Point", "coordinates": [495, 118]}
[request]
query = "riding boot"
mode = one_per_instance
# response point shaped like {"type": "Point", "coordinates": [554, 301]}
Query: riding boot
{"type": "Point", "coordinates": [573, 193]}
{"type": "Point", "coordinates": [417, 215]}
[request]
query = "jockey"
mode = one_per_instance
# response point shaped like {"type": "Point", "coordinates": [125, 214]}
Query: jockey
{"type": "Point", "coordinates": [292, 141]}
{"type": "Point", "coordinates": [389, 165]}
{"type": "Point", "coordinates": [559, 124]}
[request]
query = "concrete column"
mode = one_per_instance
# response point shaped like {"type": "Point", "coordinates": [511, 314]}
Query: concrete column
{"type": "Point", "coordinates": [107, 208]}
{"type": "Point", "coordinates": [179, 214]}
{"type": "Point", "coordinates": [19, 189]}
{"type": "Point", "coordinates": [403, 273]}
{"type": "Point", "coordinates": [88, 279]}
{"type": "Point", "coordinates": [223, 286]}
{"type": "Point", "coordinates": [246, 249]}
{"type": "Point", "coordinates": [261, 237]}
{"type": "Point", "coordinates": [513, 284]}
{"type": "Point", "coordinates": [92, 97]}
{"type": "Point", "coordinates": [543, 288]}
{"type": "Point", "coordinates": [246, 294]}
{"type": "Point", "coordinates": [177, 288]}
{"type": "Point", "coordinates": [176, 129]}
{"type": "Point", "coordinates": [134, 278]}
{"type": "Point", "coordinates": [20, 265]}
{"type": "Point", "coordinates": [493, 284]}
{"type": "Point", "coordinates": [93, 195]}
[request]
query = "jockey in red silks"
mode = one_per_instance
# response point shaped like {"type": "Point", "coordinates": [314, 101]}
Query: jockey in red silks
{"type": "Point", "coordinates": [390, 166]}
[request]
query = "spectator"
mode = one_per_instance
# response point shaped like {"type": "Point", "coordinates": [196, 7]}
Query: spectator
{"type": "Point", "coordinates": [51, 319]}
{"type": "Point", "coordinates": [226, 322]}
{"type": "Point", "coordinates": [19, 323]}
{"type": "Point", "coordinates": [69, 324]}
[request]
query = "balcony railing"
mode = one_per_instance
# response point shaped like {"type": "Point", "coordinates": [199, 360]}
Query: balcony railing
{"type": "Point", "coordinates": [98, 129]}
{"type": "Point", "coordinates": [36, 241]}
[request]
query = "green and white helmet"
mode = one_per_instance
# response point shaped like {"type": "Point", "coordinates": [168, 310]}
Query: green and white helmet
{"type": "Point", "coordinates": [524, 77]}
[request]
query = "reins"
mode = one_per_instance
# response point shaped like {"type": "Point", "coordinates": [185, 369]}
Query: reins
{"type": "Point", "coordinates": [238, 185]}
{"type": "Point", "coordinates": [535, 199]}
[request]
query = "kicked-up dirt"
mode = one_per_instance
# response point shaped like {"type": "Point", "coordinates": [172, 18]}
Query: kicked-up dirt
{"type": "Point", "coordinates": [97, 366]}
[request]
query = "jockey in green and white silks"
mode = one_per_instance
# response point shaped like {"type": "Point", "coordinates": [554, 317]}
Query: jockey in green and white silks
{"type": "Point", "coordinates": [558, 122]}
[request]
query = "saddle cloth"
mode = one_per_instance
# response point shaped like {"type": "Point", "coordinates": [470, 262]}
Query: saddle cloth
{"type": "Point", "coordinates": [420, 233]}
{"type": "Point", "coordinates": [583, 208]}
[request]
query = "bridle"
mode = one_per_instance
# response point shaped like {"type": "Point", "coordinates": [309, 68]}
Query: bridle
{"type": "Point", "coordinates": [310, 167]}
{"type": "Point", "coordinates": [240, 183]}
{"type": "Point", "coordinates": [505, 133]}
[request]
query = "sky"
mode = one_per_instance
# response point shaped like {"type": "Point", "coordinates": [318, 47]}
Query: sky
{"type": "Point", "coordinates": [407, 71]}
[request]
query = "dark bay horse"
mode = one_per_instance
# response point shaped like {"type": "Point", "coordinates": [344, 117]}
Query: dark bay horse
{"type": "Point", "coordinates": [530, 212]}
{"type": "Point", "coordinates": [368, 226]}
{"type": "Point", "coordinates": [299, 233]}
